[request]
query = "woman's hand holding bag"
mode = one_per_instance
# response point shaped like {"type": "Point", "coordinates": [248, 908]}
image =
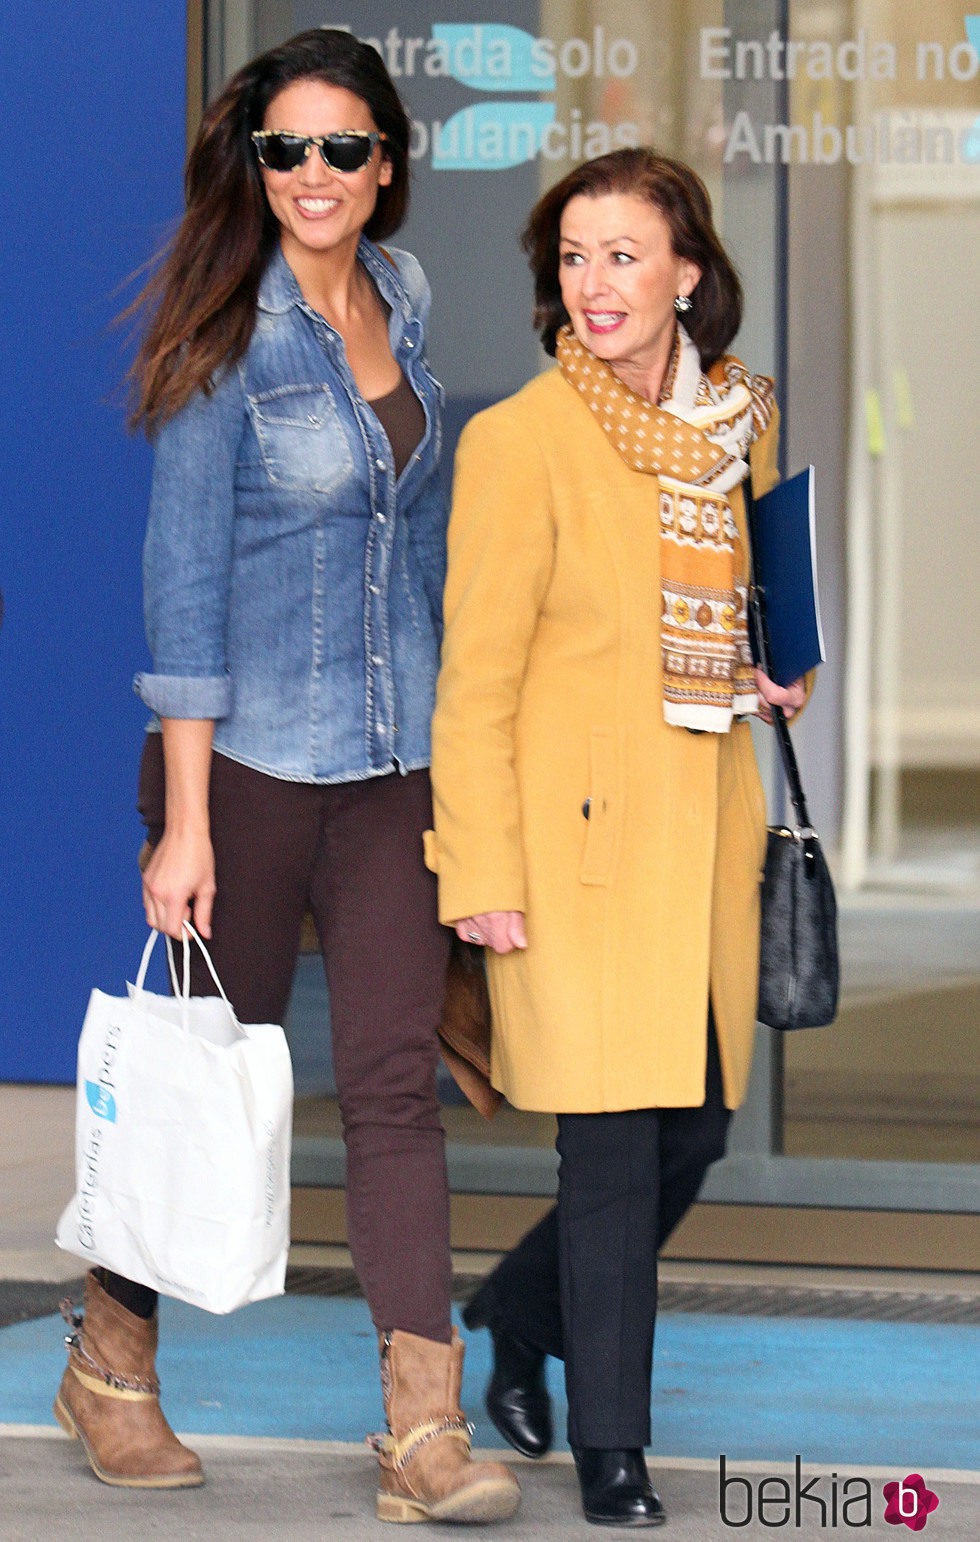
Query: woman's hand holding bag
{"type": "Point", "coordinates": [182, 1143]}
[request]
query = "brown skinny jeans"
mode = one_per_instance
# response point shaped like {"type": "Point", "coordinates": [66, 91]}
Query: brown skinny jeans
{"type": "Point", "coordinates": [351, 854]}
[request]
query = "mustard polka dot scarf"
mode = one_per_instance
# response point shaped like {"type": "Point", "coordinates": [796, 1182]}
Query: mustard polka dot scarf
{"type": "Point", "coordinates": [696, 442]}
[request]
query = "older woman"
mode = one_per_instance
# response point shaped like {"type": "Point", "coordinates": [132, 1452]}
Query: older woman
{"type": "Point", "coordinates": [293, 575]}
{"type": "Point", "coordinates": [600, 823]}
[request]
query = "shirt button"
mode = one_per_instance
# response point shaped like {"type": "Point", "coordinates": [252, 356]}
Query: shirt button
{"type": "Point", "coordinates": [379, 517]}
{"type": "Point", "coordinates": [376, 658]}
{"type": "Point", "coordinates": [380, 465]}
{"type": "Point", "coordinates": [409, 342]}
{"type": "Point", "coordinates": [374, 588]}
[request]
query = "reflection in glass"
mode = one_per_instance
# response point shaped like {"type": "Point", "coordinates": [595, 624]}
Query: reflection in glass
{"type": "Point", "coordinates": [885, 385]}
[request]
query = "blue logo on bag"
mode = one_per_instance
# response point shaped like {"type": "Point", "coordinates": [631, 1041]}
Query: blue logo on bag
{"type": "Point", "coordinates": [101, 1102]}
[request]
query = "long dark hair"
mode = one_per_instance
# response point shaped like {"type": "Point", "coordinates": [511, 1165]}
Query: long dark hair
{"type": "Point", "coordinates": [203, 296]}
{"type": "Point", "coordinates": [682, 199]}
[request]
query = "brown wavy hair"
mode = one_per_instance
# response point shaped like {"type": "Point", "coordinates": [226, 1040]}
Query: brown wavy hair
{"type": "Point", "coordinates": [682, 199]}
{"type": "Point", "coordinates": [202, 298]}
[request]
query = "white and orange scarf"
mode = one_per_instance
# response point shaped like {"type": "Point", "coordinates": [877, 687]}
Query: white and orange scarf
{"type": "Point", "coordinates": [696, 442]}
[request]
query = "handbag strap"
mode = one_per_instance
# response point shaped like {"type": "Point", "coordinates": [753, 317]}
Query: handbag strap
{"type": "Point", "coordinates": [760, 636]}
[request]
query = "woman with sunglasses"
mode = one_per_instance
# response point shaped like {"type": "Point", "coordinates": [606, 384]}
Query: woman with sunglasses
{"type": "Point", "coordinates": [293, 574]}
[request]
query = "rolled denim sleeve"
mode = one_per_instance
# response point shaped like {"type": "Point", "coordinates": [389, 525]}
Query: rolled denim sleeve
{"type": "Point", "coordinates": [187, 555]}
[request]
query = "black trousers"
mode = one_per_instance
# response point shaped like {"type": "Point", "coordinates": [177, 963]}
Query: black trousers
{"type": "Point", "coordinates": [582, 1284]}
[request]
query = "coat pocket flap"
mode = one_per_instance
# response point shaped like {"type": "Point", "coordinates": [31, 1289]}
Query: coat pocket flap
{"type": "Point", "coordinates": [430, 850]}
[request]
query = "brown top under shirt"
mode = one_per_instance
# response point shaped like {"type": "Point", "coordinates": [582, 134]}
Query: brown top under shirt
{"type": "Point", "coordinates": [401, 415]}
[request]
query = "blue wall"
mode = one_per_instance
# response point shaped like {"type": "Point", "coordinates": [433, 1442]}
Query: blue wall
{"type": "Point", "coordinates": [94, 101]}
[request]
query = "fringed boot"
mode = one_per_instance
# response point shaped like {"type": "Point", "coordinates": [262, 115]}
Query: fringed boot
{"type": "Point", "coordinates": [427, 1473]}
{"type": "Point", "coordinates": [109, 1398]}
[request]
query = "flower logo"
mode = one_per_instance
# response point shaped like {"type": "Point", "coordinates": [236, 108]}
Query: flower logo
{"type": "Point", "coordinates": [909, 1503]}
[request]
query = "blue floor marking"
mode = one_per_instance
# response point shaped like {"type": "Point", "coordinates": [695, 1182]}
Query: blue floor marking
{"type": "Point", "coordinates": [839, 1393]}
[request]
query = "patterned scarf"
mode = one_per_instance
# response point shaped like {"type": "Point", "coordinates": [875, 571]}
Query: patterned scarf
{"type": "Point", "coordinates": [695, 441]}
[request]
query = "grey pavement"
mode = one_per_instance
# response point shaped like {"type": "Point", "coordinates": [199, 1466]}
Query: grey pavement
{"type": "Point", "coordinates": [305, 1493]}
{"type": "Point", "coordinates": [295, 1491]}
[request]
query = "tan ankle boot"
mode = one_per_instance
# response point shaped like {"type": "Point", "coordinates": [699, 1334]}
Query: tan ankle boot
{"type": "Point", "coordinates": [109, 1399]}
{"type": "Point", "coordinates": [427, 1473]}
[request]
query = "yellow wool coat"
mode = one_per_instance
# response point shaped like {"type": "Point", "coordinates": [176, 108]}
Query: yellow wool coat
{"type": "Point", "coordinates": [549, 708]}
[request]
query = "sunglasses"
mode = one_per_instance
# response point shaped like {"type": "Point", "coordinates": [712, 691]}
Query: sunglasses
{"type": "Point", "coordinates": [347, 151]}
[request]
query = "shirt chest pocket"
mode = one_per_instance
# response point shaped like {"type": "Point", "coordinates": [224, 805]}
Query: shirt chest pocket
{"type": "Point", "coordinates": [301, 438]}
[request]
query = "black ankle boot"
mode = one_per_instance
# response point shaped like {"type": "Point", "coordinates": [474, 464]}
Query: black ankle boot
{"type": "Point", "coordinates": [616, 1489]}
{"type": "Point", "coordinates": [517, 1399]}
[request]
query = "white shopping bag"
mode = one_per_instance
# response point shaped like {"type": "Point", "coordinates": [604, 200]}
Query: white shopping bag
{"type": "Point", "coordinates": [182, 1144]}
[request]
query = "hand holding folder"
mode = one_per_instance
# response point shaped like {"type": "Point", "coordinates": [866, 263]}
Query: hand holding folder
{"type": "Point", "coordinates": [784, 559]}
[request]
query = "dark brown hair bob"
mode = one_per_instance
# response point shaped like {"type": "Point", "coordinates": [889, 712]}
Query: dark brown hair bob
{"type": "Point", "coordinates": [682, 199]}
{"type": "Point", "coordinates": [202, 298]}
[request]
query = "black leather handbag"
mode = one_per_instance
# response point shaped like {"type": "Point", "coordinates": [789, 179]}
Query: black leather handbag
{"type": "Point", "coordinates": [799, 970]}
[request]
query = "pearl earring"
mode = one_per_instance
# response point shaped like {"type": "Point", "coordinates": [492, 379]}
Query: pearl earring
{"type": "Point", "coordinates": [683, 304]}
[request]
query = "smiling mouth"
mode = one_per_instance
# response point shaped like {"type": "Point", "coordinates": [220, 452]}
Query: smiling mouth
{"type": "Point", "coordinates": [604, 321]}
{"type": "Point", "coordinates": [317, 206]}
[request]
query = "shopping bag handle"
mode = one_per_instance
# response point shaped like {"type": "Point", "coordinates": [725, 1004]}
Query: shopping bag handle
{"type": "Point", "coordinates": [145, 964]}
{"type": "Point", "coordinates": [182, 988]}
{"type": "Point", "coordinates": [188, 931]}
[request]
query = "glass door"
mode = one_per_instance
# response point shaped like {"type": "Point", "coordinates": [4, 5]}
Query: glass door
{"type": "Point", "coordinates": [841, 145]}
{"type": "Point", "coordinates": [885, 220]}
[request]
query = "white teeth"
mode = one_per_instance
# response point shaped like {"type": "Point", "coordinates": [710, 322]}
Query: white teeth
{"type": "Point", "coordinates": [317, 205]}
{"type": "Point", "coordinates": [603, 318]}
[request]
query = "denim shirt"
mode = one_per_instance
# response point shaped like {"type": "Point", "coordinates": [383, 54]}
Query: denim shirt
{"type": "Point", "coordinates": [293, 587]}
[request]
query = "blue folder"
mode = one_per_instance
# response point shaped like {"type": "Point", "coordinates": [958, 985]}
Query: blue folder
{"type": "Point", "coordinates": [785, 559]}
